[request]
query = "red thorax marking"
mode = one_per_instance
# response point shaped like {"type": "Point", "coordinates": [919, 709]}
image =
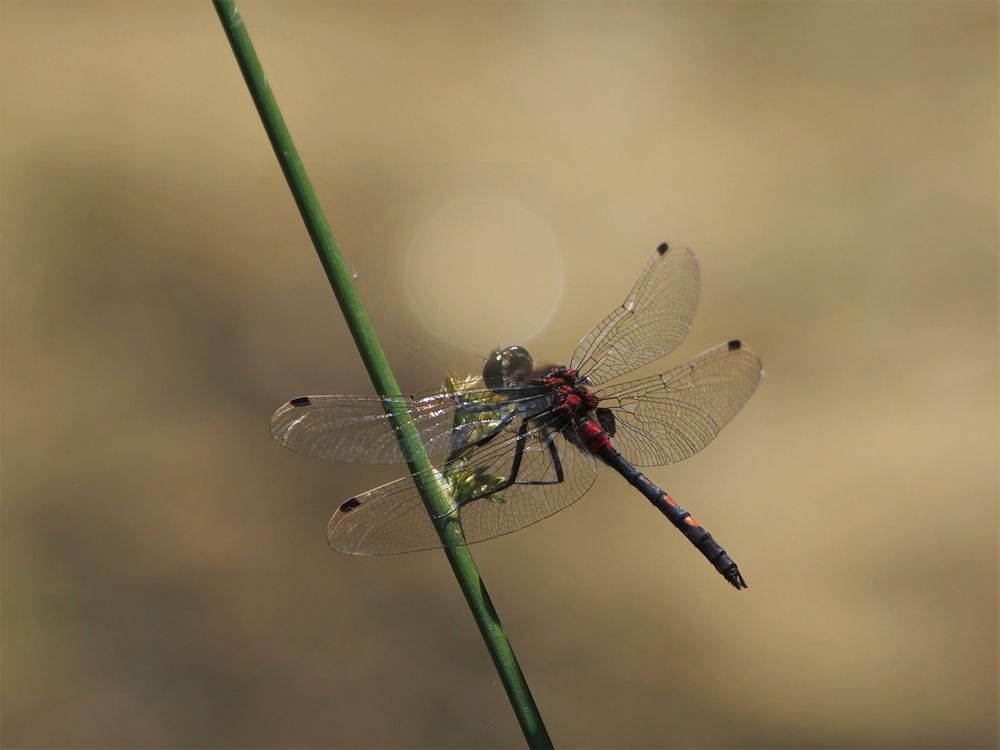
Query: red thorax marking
{"type": "Point", "coordinates": [573, 401]}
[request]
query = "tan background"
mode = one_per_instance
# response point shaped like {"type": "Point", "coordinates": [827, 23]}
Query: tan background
{"type": "Point", "coordinates": [165, 576]}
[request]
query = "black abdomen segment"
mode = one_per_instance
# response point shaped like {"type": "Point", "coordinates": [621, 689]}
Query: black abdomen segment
{"type": "Point", "coordinates": [679, 517]}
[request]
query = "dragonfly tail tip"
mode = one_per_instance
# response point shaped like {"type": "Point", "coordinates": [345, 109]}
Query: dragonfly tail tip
{"type": "Point", "coordinates": [733, 575]}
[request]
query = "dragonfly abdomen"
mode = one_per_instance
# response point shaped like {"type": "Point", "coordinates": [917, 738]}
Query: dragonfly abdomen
{"type": "Point", "coordinates": [677, 515]}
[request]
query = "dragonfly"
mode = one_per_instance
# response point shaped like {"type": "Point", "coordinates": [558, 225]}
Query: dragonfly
{"type": "Point", "coordinates": [522, 441]}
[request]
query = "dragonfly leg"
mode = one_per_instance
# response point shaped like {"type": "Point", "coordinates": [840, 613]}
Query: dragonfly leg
{"type": "Point", "coordinates": [556, 461]}
{"type": "Point", "coordinates": [515, 466]}
{"type": "Point", "coordinates": [550, 443]}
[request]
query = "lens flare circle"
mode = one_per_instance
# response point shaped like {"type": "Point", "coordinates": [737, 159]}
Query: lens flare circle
{"type": "Point", "coordinates": [483, 266]}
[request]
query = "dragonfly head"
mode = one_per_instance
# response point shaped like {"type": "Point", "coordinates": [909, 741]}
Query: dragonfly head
{"type": "Point", "coordinates": [507, 367]}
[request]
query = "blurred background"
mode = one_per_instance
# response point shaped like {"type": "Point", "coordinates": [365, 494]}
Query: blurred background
{"type": "Point", "coordinates": [497, 174]}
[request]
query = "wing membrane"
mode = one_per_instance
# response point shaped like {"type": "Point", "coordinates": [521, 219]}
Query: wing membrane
{"type": "Point", "coordinates": [357, 428]}
{"type": "Point", "coordinates": [392, 518]}
{"type": "Point", "coordinates": [654, 318]}
{"type": "Point", "coordinates": [667, 418]}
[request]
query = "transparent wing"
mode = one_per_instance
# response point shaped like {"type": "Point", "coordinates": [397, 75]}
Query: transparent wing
{"type": "Point", "coordinates": [392, 518]}
{"type": "Point", "coordinates": [653, 320]}
{"type": "Point", "coordinates": [667, 418]}
{"type": "Point", "coordinates": [356, 428]}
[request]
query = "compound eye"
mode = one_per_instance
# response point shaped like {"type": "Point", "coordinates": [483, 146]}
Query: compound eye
{"type": "Point", "coordinates": [506, 366]}
{"type": "Point", "coordinates": [517, 361]}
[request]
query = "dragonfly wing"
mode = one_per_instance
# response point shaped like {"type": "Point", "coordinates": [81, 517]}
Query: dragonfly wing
{"type": "Point", "coordinates": [654, 318]}
{"type": "Point", "coordinates": [356, 428]}
{"type": "Point", "coordinates": [383, 521]}
{"type": "Point", "coordinates": [667, 418]}
{"type": "Point", "coordinates": [392, 518]}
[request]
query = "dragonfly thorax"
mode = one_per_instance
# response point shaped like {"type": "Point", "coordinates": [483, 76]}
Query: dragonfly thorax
{"type": "Point", "coordinates": [570, 398]}
{"type": "Point", "coordinates": [512, 371]}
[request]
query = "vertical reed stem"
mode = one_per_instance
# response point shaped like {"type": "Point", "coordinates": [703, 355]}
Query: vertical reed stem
{"type": "Point", "coordinates": [375, 362]}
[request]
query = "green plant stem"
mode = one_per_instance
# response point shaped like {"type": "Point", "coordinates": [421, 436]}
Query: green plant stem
{"type": "Point", "coordinates": [375, 362]}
